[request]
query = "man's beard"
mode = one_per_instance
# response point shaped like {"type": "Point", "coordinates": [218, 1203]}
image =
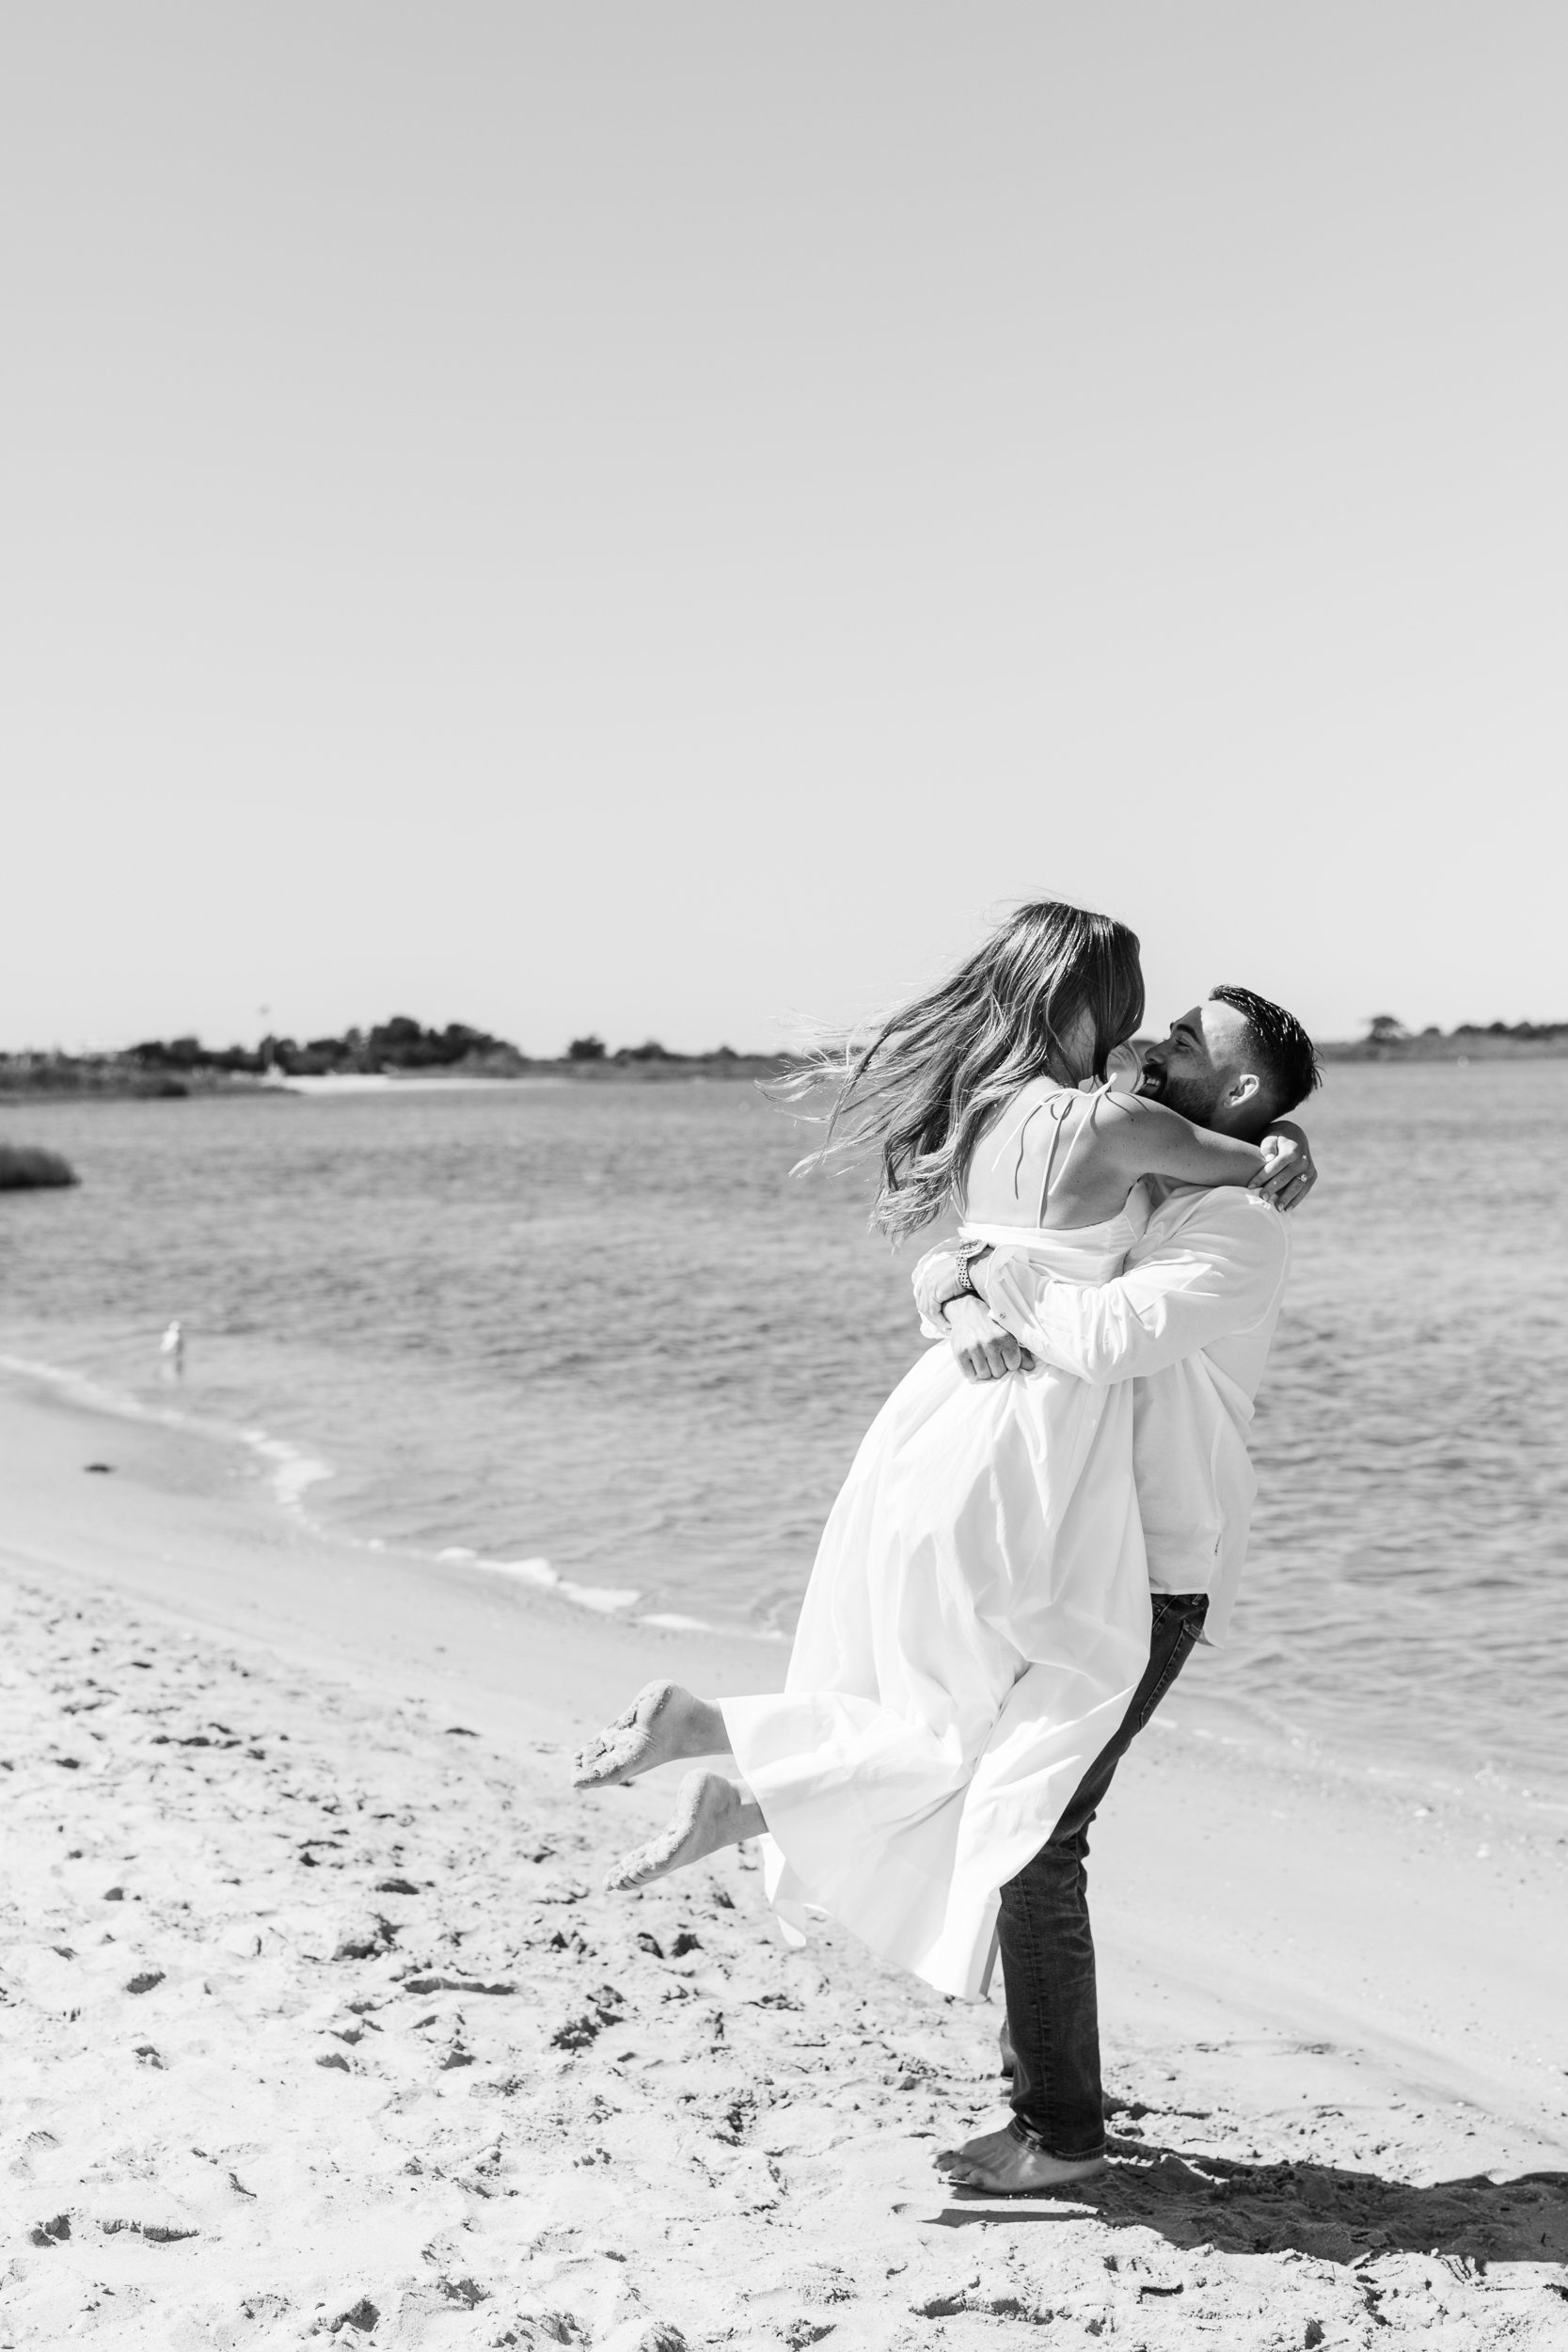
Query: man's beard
{"type": "Point", "coordinates": [1188, 1096]}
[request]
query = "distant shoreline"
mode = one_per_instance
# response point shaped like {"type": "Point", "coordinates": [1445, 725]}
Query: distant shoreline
{"type": "Point", "coordinates": [1465, 1045]}
{"type": "Point", "coordinates": [111, 1078]}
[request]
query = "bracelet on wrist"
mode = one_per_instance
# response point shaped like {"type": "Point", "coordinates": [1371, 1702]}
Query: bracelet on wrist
{"type": "Point", "coordinates": [965, 1258]}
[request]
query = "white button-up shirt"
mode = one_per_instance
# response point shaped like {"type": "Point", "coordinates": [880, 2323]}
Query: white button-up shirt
{"type": "Point", "coordinates": [1190, 1320]}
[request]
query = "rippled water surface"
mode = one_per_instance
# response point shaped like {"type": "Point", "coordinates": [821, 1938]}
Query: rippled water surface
{"type": "Point", "coordinates": [601, 1325]}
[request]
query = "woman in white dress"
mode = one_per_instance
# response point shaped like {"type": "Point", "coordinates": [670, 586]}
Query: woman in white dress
{"type": "Point", "coordinates": [979, 1615]}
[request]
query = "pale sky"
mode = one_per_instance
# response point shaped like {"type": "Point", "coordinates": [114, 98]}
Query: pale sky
{"type": "Point", "coordinates": [660, 517]}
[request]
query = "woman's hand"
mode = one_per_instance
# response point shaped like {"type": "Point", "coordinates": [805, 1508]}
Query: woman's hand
{"type": "Point", "coordinates": [984, 1350]}
{"type": "Point", "coordinates": [1124, 1069]}
{"type": "Point", "coordinates": [937, 1278]}
{"type": "Point", "coordinates": [1287, 1175]}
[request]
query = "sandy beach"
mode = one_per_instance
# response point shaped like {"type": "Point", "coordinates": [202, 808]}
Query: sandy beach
{"type": "Point", "coordinates": [317, 2025]}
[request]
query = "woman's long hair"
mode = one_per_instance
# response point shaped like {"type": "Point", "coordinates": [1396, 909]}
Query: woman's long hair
{"type": "Point", "coordinates": [921, 1091]}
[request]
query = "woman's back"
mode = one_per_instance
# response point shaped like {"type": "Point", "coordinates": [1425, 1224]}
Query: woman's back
{"type": "Point", "coordinates": [1050, 1161]}
{"type": "Point", "coordinates": [1057, 1159]}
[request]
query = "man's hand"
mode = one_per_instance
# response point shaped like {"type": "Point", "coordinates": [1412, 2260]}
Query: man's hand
{"type": "Point", "coordinates": [984, 1350]}
{"type": "Point", "coordinates": [1287, 1175]}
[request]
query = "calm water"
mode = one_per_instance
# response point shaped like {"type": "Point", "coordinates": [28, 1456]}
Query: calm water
{"type": "Point", "coordinates": [600, 1326]}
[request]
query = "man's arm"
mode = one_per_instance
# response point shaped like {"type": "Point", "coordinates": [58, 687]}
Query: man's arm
{"type": "Point", "coordinates": [1286, 1177]}
{"type": "Point", "coordinates": [1219, 1274]}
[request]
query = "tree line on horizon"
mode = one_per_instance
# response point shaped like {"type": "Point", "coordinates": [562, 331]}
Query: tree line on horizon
{"type": "Point", "coordinates": [1385, 1028]}
{"type": "Point", "coordinates": [400, 1043]}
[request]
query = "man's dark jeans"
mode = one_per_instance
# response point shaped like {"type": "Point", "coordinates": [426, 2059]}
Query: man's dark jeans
{"type": "Point", "coordinates": [1047, 1949]}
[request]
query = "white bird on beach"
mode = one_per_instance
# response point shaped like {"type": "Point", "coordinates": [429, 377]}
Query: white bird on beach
{"type": "Point", "coordinates": [171, 1349]}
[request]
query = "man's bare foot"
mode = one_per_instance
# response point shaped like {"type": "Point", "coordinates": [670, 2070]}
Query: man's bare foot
{"type": "Point", "coordinates": [710, 1812]}
{"type": "Point", "coordinates": [662, 1724]}
{"type": "Point", "coordinates": [1011, 2167]}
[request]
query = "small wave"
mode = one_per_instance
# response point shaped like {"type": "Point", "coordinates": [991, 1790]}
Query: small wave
{"type": "Point", "coordinates": [527, 1571]}
{"type": "Point", "coordinates": [292, 1471]}
{"type": "Point", "coordinates": [599, 1597]}
{"type": "Point", "coordinates": [670, 1621]}
{"type": "Point", "coordinates": [605, 1600]}
{"type": "Point", "coordinates": [81, 1388]}
{"type": "Point", "coordinates": [291, 1468]}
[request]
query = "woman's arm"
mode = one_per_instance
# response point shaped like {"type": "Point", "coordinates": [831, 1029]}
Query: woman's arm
{"type": "Point", "coordinates": [1149, 1139]}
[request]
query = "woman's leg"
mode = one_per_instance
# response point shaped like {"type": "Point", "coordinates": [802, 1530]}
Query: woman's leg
{"type": "Point", "coordinates": [663, 1724]}
{"type": "Point", "coordinates": [710, 1813]}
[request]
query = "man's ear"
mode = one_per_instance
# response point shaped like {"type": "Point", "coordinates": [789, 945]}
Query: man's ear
{"type": "Point", "coordinates": [1245, 1088]}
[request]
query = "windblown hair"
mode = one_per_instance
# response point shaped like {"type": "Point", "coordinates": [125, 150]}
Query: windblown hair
{"type": "Point", "coordinates": [1286, 1057]}
{"type": "Point", "coordinates": [920, 1092]}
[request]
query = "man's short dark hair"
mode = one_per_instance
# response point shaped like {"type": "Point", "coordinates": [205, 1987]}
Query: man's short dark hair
{"type": "Point", "coordinates": [1286, 1059]}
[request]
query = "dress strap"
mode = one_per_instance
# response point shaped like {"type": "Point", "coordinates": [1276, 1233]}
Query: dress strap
{"type": "Point", "coordinates": [1055, 1116]}
{"type": "Point", "coordinates": [1056, 1110]}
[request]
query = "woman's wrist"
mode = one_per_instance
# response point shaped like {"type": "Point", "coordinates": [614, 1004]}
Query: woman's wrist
{"type": "Point", "coordinates": [973, 1257]}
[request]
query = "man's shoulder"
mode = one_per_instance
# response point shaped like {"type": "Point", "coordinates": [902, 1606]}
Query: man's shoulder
{"type": "Point", "coordinates": [1243, 1220]}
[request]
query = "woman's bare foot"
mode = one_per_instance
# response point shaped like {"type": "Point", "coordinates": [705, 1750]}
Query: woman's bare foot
{"type": "Point", "coordinates": [710, 1812]}
{"type": "Point", "coordinates": [1011, 2167]}
{"type": "Point", "coordinates": [662, 1724]}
